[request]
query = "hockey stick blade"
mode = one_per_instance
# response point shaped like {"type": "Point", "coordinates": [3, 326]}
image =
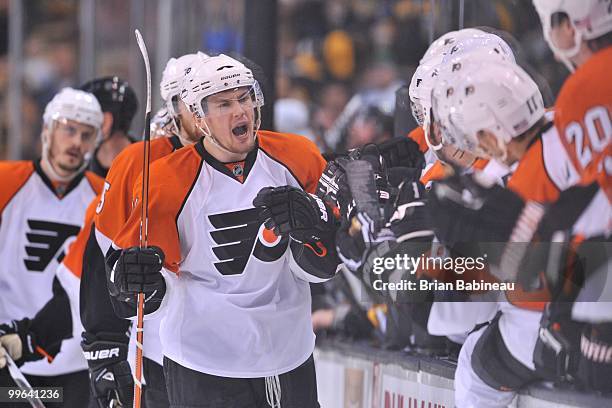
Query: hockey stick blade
{"type": "Point", "coordinates": [362, 183]}
{"type": "Point", "coordinates": [21, 381]}
{"type": "Point", "coordinates": [145, 57]}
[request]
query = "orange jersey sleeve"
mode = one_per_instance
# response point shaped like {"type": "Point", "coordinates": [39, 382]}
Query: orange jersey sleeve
{"type": "Point", "coordinates": [306, 167]}
{"type": "Point", "coordinates": [418, 135]}
{"type": "Point", "coordinates": [530, 179]}
{"type": "Point", "coordinates": [436, 172]}
{"type": "Point", "coordinates": [73, 261]}
{"type": "Point", "coordinates": [171, 180]}
{"type": "Point", "coordinates": [14, 175]}
{"type": "Point", "coordinates": [582, 115]}
{"type": "Point", "coordinates": [115, 202]}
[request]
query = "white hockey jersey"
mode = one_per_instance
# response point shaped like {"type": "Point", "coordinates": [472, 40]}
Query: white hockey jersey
{"type": "Point", "coordinates": [36, 227]}
{"type": "Point", "coordinates": [238, 300]}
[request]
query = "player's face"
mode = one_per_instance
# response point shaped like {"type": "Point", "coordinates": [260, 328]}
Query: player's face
{"type": "Point", "coordinates": [562, 34]}
{"type": "Point", "coordinates": [230, 119]}
{"type": "Point", "coordinates": [449, 153]}
{"type": "Point", "coordinates": [69, 142]}
{"type": "Point", "coordinates": [487, 143]}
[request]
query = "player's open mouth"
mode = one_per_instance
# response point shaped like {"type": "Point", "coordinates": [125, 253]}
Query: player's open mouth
{"type": "Point", "coordinates": [240, 130]}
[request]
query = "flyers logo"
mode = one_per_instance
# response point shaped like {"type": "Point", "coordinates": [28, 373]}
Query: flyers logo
{"type": "Point", "coordinates": [238, 235]}
{"type": "Point", "coordinates": [45, 239]}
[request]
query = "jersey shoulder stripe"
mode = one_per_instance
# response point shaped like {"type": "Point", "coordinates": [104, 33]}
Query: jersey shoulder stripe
{"type": "Point", "coordinates": [296, 153]}
{"type": "Point", "coordinates": [14, 175]}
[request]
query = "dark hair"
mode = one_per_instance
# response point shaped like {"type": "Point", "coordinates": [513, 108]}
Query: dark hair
{"type": "Point", "coordinates": [533, 130]}
{"type": "Point", "coordinates": [601, 42]}
{"type": "Point", "coordinates": [115, 96]}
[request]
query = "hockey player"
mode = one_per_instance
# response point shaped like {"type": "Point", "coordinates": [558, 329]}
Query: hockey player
{"type": "Point", "coordinates": [497, 360]}
{"type": "Point", "coordinates": [104, 330]}
{"type": "Point", "coordinates": [213, 257]}
{"type": "Point", "coordinates": [580, 35]}
{"type": "Point", "coordinates": [43, 207]}
{"type": "Point", "coordinates": [119, 105]}
{"type": "Point", "coordinates": [444, 54]}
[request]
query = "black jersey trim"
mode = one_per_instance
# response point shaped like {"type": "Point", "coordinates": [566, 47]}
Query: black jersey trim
{"type": "Point", "coordinates": [71, 185]}
{"type": "Point", "coordinates": [249, 161]}
{"type": "Point", "coordinates": [175, 141]}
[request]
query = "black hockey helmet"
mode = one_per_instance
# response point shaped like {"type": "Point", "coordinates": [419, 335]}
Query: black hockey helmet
{"type": "Point", "coordinates": [115, 96]}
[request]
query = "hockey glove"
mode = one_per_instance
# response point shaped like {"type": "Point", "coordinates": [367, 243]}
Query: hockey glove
{"type": "Point", "coordinates": [333, 189]}
{"type": "Point", "coordinates": [110, 377]}
{"type": "Point", "coordinates": [353, 244]}
{"type": "Point", "coordinates": [19, 342]}
{"type": "Point", "coordinates": [135, 270]}
{"type": "Point", "coordinates": [403, 152]}
{"type": "Point", "coordinates": [595, 364]}
{"type": "Point", "coordinates": [466, 209]}
{"type": "Point", "coordinates": [557, 349]}
{"type": "Point", "coordinates": [290, 210]}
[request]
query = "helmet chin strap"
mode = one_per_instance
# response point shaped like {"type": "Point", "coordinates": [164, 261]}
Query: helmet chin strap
{"type": "Point", "coordinates": [565, 55]}
{"type": "Point", "coordinates": [433, 147]}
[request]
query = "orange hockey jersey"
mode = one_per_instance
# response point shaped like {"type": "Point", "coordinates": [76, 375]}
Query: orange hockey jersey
{"type": "Point", "coordinates": [583, 119]}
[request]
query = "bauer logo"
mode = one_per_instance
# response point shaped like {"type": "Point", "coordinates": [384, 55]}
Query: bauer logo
{"type": "Point", "coordinates": [223, 78]}
{"type": "Point", "coordinates": [238, 234]}
{"type": "Point", "coordinates": [101, 354]}
{"type": "Point", "coordinates": [45, 239]}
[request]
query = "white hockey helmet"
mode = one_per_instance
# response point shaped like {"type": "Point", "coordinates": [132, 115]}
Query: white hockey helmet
{"type": "Point", "coordinates": [497, 96]}
{"type": "Point", "coordinates": [424, 76]}
{"type": "Point", "coordinates": [469, 44]}
{"type": "Point", "coordinates": [172, 78]}
{"type": "Point", "coordinates": [74, 104]}
{"type": "Point", "coordinates": [486, 43]}
{"type": "Point", "coordinates": [217, 74]}
{"type": "Point", "coordinates": [439, 46]}
{"type": "Point", "coordinates": [590, 19]}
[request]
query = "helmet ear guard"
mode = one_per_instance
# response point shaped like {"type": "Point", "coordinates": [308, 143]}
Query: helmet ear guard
{"type": "Point", "coordinates": [590, 19]}
{"type": "Point", "coordinates": [494, 96]}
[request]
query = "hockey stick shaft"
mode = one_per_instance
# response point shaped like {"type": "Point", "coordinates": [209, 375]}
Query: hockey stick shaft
{"type": "Point", "coordinates": [21, 381]}
{"type": "Point", "coordinates": [144, 220]}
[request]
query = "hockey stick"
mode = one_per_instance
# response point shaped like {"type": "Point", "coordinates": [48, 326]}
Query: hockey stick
{"type": "Point", "coordinates": [144, 220]}
{"type": "Point", "coordinates": [22, 382]}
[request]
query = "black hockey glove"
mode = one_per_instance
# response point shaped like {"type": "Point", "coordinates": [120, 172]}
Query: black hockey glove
{"type": "Point", "coordinates": [134, 270]}
{"type": "Point", "coordinates": [464, 209]}
{"type": "Point", "coordinates": [19, 341]}
{"type": "Point", "coordinates": [110, 377]}
{"type": "Point", "coordinates": [353, 243]}
{"type": "Point", "coordinates": [333, 189]}
{"type": "Point", "coordinates": [402, 151]}
{"type": "Point", "coordinates": [595, 363]}
{"type": "Point", "coordinates": [557, 349]}
{"type": "Point", "coordinates": [290, 210]}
